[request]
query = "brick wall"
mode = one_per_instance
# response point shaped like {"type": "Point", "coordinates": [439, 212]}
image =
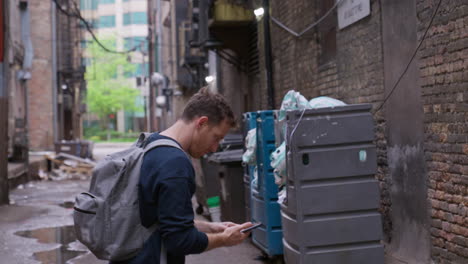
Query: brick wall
{"type": "Point", "coordinates": [355, 76]}
{"type": "Point", "coordinates": [444, 82]}
{"type": "Point", "coordinates": [40, 85]}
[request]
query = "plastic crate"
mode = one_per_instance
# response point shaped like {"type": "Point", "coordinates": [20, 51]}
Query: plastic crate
{"type": "Point", "coordinates": [265, 208]}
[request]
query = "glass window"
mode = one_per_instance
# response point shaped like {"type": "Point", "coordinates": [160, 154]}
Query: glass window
{"type": "Point", "coordinates": [92, 23]}
{"type": "Point", "coordinates": [141, 70]}
{"type": "Point", "coordinates": [106, 21]}
{"type": "Point", "coordinates": [139, 43]}
{"type": "Point", "coordinates": [88, 4]}
{"type": "Point", "coordinates": [106, 1]}
{"type": "Point", "coordinates": [135, 18]}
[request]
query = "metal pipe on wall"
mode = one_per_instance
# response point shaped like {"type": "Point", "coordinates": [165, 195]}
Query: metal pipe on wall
{"type": "Point", "coordinates": [53, 14]}
{"type": "Point", "coordinates": [268, 56]}
{"type": "Point", "coordinates": [152, 94]}
{"type": "Point", "coordinates": [4, 189]}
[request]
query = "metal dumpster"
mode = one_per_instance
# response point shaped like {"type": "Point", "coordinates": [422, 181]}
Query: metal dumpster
{"type": "Point", "coordinates": [331, 213]}
{"type": "Point", "coordinates": [208, 181]}
{"type": "Point", "coordinates": [264, 195]}
{"type": "Point", "coordinates": [230, 174]}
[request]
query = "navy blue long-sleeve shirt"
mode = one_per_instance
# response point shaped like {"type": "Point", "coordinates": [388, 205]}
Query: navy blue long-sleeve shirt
{"type": "Point", "coordinates": [166, 186]}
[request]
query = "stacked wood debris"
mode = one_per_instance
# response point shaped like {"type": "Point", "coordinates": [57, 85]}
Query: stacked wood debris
{"type": "Point", "coordinates": [65, 166]}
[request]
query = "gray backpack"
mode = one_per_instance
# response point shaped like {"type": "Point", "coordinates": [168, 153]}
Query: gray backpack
{"type": "Point", "coordinates": [107, 218]}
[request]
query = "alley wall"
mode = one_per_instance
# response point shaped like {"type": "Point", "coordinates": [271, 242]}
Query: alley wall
{"type": "Point", "coordinates": [444, 81]}
{"type": "Point", "coordinates": [358, 72]}
{"type": "Point", "coordinates": [41, 115]}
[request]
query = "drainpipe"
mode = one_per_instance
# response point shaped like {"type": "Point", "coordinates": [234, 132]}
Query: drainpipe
{"type": "Point", "coordinates": [268, 60]}
{"type": "Point", "coordinates": [159, 37]}
{"type": "Point", "coordinates": [24, 74]}
{"type": "Point", "coordinates": [4, 190]}
{"type": "Point", "coordinates": [53, 16]}
{"type": "Point", "coordinates": [152, 94]}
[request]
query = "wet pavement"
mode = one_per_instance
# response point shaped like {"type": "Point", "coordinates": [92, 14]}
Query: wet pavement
{"type": "Point", "coordinates": [37, 227]}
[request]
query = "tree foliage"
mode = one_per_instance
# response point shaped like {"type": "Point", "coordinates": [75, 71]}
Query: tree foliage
{"type": "Point", "coordinates": [108, 91]}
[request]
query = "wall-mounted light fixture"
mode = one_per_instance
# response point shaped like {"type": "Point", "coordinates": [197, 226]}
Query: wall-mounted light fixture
{"type": "Point", "coordinates": [209, 79]}
{"type": "Point", "coordinates": [259, 13]}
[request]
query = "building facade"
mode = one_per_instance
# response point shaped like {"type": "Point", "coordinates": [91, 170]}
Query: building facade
{"type": "Point", "coordinates": [127, 22]}
{"type": "Point", "coordinates": [42, 82]}
{"type": "Point", "coordinates": [406, 58]}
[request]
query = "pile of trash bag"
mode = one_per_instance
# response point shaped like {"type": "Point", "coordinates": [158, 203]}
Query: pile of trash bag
{"type": "Point", "coordinates": [250, 155]}
{"type": "Point", "coordinates": [293, 101]}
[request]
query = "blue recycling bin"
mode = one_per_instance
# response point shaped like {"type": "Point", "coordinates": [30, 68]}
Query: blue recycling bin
{"type": "Point", "coordinates": [250, 122]}
{"type": "Point", "coordinates": [264, 193]}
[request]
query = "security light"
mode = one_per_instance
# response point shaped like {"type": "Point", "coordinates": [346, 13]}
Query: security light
{"type": "Point", "coordinates": [259, 12]}
{"type": "Point", "coordinates": [209, 79]}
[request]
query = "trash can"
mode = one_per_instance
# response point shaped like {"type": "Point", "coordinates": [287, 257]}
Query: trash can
{"type": "Point", "coordinates": [230, 174]}
{"type": "Point", "coordinates": [330, 214]}
{"type": "Point", "coordinates": [208, 188]}
{"type": "Point", "coordinates": [250, 122]}
{"type": "Point", "coordinates": [264, 195]}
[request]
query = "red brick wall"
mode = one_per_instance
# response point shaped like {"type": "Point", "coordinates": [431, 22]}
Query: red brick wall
{"type": "Point", "coordinates": [40, 86]}
{"type": "Point", "coordinates": [444, 82]}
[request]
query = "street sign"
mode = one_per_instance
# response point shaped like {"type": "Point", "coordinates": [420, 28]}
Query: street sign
{"type": "Point", "coordinates": [351, 11]}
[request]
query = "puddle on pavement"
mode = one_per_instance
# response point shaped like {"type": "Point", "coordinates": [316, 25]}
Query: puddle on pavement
{"type": "Point", "coordinates": [67, 204]}
{"type": "Point", "coordinates": [62, 235]}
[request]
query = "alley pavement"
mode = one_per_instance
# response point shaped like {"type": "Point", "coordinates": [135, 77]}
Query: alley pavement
{"type": "Point", "coordinates": [37, 226]}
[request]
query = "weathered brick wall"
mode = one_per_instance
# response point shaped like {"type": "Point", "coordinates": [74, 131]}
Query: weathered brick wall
{"type": "Point", "coordinates": [355, 76]}
{"type": "Point", "coordinates": [444, 82]}
{"type": "Point", "coordinates": [40, 86]}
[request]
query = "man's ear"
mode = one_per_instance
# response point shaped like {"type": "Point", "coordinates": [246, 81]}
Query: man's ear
{"type": "Point", "coordinates": [201, 121]}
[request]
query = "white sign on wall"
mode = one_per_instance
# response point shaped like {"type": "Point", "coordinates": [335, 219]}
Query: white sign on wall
{"type": "Point", "coordinates": [350, 11]}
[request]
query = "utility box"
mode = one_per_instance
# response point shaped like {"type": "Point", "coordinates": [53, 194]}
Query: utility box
{"type": "Point", "coordinates": [264, 194]}
{"type": "Point", "coordinates": [330, 215]}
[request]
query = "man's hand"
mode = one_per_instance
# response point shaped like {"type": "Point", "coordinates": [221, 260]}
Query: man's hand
{"type": "Point", "coordinates": [231, 236]}
{"type": "Point", "coordinates": [208, 227]}
{"type": "Point", "coordinates": [220, 227]}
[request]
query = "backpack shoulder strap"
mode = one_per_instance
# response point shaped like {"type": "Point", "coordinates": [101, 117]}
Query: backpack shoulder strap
{"type": "Point", "coordinates": [141, 139]}
{"type": "Point", "coordinates": [162, 142]}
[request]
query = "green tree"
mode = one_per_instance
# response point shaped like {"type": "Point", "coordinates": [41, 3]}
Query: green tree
{"type": "Point", "coordinates": [108, 91]}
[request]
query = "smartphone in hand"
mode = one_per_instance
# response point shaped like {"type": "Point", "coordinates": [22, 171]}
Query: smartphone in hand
{"type": "Point", "coordinates": [250, 228]}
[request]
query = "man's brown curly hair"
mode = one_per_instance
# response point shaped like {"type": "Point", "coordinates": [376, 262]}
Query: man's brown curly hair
{"type": "Point", "coordinates": [211, 105]}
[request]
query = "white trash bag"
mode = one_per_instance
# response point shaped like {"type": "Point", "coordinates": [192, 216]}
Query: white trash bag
{"type": "Point", "coordinates": [278, 163]}
{"type": "Point", "coordinates": [249, 156]}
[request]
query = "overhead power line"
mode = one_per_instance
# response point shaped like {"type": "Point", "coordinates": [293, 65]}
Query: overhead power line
{"type": "Point", "coordinates": [77, 14]}
{"type": "Point", "coordinates": [412, 57]}
{"type": "Point", "coordinates": [298, 35]}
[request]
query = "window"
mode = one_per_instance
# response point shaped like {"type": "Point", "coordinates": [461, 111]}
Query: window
{"type": "Point", "coordinates": [106, 1]}
{"type": "Point", "coordinates": [141, 70]}
{"type": "Point", "coordinates": [135, 18]}
{"type": "Point", "coordinates": [136, 42]}
{"type": "Point", "coordinates": [92, 23]}
{"type": "Point", "coordinates": [85, 61]}
{"type": "Point", "coordinates": [88, 4]}
{"type": "Point", "coordinates": [85, 43]}
{"type": "Point", "coordinates": [106, 21]}
{"type": "Point", "coordinates": [327, 33]}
